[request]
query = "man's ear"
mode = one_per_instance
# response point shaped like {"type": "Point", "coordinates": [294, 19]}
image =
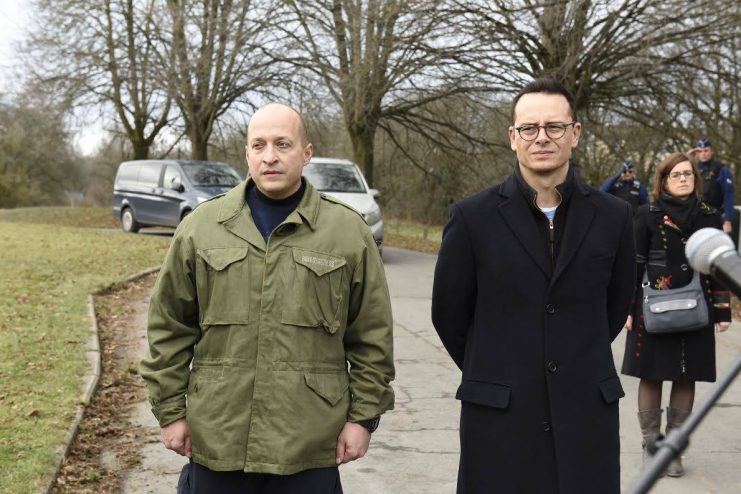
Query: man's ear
{"type": "Point", "coordinates": [576, 134]}
{"type": "Point", "coordinates": [512, 136]}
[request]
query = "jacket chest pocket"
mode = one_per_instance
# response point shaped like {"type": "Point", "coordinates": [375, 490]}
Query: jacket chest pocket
{"type": "Point", "coordinates": [222, 281]}
{"type": "Point", "coordinates": [317, 290]}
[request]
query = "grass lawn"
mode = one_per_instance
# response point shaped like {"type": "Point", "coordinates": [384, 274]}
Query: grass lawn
{"type": "Point", "coordinates": [412, 235]}
{"type": "Point", "coordinates": [50, 260]}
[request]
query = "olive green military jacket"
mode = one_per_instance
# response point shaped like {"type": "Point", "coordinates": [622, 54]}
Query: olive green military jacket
{"type": "Point", "coordinates": [268, 350]}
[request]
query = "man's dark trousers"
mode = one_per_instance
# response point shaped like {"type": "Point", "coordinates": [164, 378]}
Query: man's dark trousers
{"type": "Point", "coordinates": [313, 481]}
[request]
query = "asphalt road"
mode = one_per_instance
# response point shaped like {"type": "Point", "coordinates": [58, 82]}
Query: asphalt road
{"type": "Point", "coordinates": [415, 451]}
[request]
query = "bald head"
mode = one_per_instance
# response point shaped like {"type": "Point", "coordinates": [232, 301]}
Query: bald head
{"type": "Point", "coordinates": [277, 150]}
{"type": "Point", "coordinates": [284, 114]}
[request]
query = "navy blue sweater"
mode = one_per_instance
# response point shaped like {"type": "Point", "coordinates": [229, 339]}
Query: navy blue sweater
{"type": "Point", "coordinates": [269, 213]}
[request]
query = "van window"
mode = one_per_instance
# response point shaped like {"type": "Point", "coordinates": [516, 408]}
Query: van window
{"type": "Point", "coordinates": [211, 174]}
{"type": "Point", "coordinates": [330, 177]}
{"type": "Point", "coordinates": [149, 175]}
{"type": "Point", "coordinates": [172, 178]}
{"type": "Point", "coordinates": [127, 175]}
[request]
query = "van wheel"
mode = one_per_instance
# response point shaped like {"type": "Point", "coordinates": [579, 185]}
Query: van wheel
{"type": "Point", "coordinates": [128, 222]}
{"type": "Point", "coordinates": [185, 213]}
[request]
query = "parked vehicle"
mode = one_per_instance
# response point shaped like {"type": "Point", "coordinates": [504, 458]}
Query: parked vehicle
{"type": "Point", "coordinates": [343, 180]}
{"type": "Point", "coordinates": [163, 192]}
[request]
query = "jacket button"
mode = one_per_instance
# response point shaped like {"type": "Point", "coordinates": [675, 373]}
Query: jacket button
{"type": "Point", "coordinates": [552, 366]}
{"type": "Point", "coordinates": [550, 309]}
{"type": "Point", "coordinates": [546, 426]}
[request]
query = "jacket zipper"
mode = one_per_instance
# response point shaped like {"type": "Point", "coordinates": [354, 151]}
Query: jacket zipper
{"type": "Point", "coordinates": [552, 242]}
{"type": "Point", "coordinates": [682, 361]}
{"type": "Point", "coordinates": [551, 227]}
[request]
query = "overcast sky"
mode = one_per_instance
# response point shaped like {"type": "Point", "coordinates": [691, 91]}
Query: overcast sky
{"type": "Point", "coordinates": [13, 20]}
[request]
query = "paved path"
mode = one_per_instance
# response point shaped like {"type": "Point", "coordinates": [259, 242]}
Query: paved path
{"type": "Point", "coordinates": [415, 451]}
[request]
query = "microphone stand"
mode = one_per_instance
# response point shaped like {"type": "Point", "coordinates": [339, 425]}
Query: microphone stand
{"type": "Point", "coordinates": [666, 448]}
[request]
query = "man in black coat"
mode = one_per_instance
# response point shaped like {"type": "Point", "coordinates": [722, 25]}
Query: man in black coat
{"type": "Point", "coordinates": [533, 282]}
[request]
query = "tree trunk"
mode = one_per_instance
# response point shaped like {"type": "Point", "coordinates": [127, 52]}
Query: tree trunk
{"type": "Point", "coordinates": [363, 138]}
{"type": "Point", "coordinates": [141, 150]}
{"type": "Point", "coordinates": [198, 143]}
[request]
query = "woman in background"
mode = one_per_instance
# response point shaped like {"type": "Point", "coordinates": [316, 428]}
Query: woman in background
{"type": "Point", "coordinates": [661, 231]}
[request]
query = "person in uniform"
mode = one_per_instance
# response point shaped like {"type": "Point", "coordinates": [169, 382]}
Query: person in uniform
{"type": "Point", "coordinates": [626, 186]}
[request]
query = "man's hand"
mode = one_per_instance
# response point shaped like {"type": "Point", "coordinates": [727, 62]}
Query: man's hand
{"type": "Point", "coordinates": [352, 442]}
{"type": "Point", "coordinates": [176, 436]}
{"type": "Point", "coordinates": [727, 226]}
{"type": "Point", "coordinates": [629, 323]}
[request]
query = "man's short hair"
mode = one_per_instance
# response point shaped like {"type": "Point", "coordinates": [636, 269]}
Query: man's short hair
{"type": "Point", "coordinates": [548, 85]}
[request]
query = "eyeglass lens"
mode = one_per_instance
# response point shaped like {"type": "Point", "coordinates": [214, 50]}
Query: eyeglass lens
{"type": "Point", "coordinates": [530, 132]}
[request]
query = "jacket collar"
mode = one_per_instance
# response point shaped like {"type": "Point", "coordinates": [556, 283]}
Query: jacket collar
{"type": "Point", "coordinates": [517, 213]}
{"type": "Point", "coordinates": [236, 217]}
{"type": "Point", "coordinates": [564, 189]}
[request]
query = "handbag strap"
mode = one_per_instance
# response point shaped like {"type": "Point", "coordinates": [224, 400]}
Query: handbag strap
{"type": "Point", "coordinates": [694, 282]}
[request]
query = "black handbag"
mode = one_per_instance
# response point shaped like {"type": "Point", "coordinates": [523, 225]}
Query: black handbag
{"type": "Point", "coordinates": [676, 310]}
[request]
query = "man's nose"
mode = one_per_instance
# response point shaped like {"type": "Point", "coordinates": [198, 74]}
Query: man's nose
{"type": "Point", "coordinates": [269, 156]}
{"type": "Point", "coordinates": [542, 135]}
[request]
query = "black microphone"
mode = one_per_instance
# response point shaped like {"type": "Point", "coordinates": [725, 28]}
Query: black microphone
{"type": "Point", "coordinates": [711, 251]}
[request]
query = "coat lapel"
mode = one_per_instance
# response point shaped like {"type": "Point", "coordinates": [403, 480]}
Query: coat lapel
{"type": "Point", "coordinates": [578, 220]}
{"type": "Point", "coordinates": [516, 213]}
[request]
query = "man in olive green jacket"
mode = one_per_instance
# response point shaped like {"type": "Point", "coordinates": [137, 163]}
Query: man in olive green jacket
{"type": "Point", "coordinates": [270, 330]}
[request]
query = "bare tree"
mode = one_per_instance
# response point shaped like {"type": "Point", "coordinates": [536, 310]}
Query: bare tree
{"type": "Point", "coordinates": [217, 54]}
{"type": "Point", "coordinates": [707, 95]}
{"type": "Point", "coordinates": [382, 62]}
{"type": "Point", "coordinates": [617, 56]}
{"type": "Point", "coordinates": [102, 54]}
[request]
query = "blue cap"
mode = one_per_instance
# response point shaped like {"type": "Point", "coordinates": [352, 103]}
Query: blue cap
{"type": "Point", "coordinates": [627, 165]}
{"type": "Point", "coordinates": [704, 142]}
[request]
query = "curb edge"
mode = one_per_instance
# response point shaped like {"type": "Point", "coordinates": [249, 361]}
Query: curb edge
{"type": "Point", "coordinates": [90, 379]}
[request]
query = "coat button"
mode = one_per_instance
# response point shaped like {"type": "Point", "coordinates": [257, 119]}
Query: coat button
{"type": "Point", "coordinates": [550, 309]}
{"type": "Point", "coordinates": [552, 366]}
{"type": "Point", "coordinates": [546, 426]}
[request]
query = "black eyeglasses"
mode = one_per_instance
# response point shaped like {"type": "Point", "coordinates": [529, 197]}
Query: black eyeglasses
{"type": "Point", "coordinates": [556, 130]}
{"type": "Point", "coordinates": [677, 175]}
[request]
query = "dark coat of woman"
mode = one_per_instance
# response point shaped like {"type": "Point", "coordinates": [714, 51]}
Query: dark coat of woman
{"type": "Point", "coordinates": [528, 313]}
{"type": "Point", "coordinates": [661, 231]}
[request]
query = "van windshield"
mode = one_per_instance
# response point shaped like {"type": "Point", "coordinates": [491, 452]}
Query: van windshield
{"type": "Point", "coordinates": [211, 174]}
{"type": "Point", "coordinates": [334, 177]}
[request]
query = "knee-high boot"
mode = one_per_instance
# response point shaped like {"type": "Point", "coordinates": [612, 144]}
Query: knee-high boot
{"type": "Point", "coordinates": [650, 422]}
{"type": "Point", "coordinates": [674, 419]}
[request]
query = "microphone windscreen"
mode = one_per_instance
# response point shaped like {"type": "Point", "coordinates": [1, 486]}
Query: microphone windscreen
{"type": "Point", "coordinates": [704, 246]}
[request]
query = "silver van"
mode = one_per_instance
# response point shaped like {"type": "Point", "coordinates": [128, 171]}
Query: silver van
{"type": "Point", "coordinates": [163, 192]}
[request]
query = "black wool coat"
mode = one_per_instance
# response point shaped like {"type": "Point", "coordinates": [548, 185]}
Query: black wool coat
{"type": "Point", "coordinates": [660, 242]}
{"type": "Point", "coordinates": [539, 391]}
